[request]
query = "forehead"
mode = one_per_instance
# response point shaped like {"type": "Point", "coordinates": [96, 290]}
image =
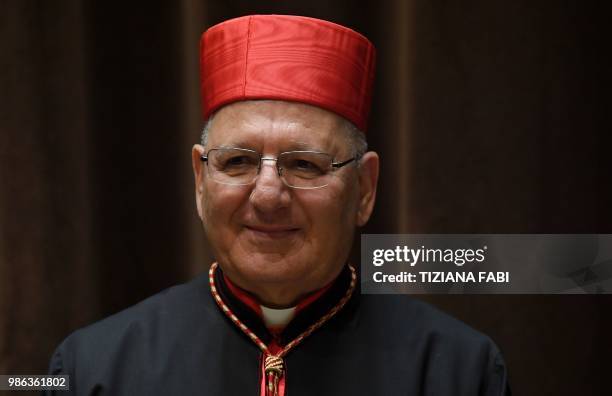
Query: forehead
{"type": "Point", "coordinates": [281, 125]}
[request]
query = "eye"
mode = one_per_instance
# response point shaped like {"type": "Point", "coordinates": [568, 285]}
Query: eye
{"type": "Point", "coordinates": [303, 167]}
{"type": "Point", "coordinates": [302, 164]}
{"type": "Point", "coordinates": [232, 162]}
{"type": "Point", "coordinates": [238, 160]}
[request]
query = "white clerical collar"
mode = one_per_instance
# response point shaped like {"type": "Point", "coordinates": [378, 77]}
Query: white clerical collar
{"type": "Point", "coordinates": [277, 317]}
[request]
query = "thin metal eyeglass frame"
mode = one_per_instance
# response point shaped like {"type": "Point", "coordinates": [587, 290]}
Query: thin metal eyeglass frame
{"type": "Point", "coordinates": [334, 165]}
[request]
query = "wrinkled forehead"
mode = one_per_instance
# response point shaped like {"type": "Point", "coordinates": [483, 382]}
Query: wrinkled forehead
{"type": "Point", "coordinates": [289, 125]}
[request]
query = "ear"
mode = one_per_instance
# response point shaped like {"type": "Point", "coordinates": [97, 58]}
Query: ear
{"type": "Point", "coordinates": [368, 179]}
{"type": "Point", "coordinates": [198, 169]}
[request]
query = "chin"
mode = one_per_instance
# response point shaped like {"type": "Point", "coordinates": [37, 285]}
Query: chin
{"type": "Point", "coordinates": [266, 268]}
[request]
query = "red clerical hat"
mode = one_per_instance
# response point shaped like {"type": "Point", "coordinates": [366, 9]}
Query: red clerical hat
{"type": "Point", "coordinates": [291, 58]}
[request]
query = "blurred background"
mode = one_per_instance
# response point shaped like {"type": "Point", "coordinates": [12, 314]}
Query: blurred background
{"type": "Point", "coordinates": [490, 117]}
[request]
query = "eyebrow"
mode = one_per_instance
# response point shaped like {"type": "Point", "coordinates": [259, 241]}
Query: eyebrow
{"type": "Point", "coordinates": [302, 146]}
{"type": "Point", "coordinates": [294, 146]}
{"type": "Point", "coordinates": [237, 144]}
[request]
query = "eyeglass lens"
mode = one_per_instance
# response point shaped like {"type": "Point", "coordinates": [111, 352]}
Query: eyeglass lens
{"type": "Point", "coordinates": [301, 169]}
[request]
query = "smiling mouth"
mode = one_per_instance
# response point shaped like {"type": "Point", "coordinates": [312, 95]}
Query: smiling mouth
{"type": "Point", "coordinates": [271, 232]}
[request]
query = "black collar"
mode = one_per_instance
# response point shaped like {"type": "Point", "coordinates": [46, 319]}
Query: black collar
{"type": "Point", "coordinates": [307, 316]}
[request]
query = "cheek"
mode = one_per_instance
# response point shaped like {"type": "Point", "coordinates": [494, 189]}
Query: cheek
{"type": "Point", "coordinates": [219, 207]}
{"type": "Point", "coordinates": [333, 214]}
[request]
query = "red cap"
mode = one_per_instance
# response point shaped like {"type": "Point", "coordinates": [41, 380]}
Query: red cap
{"type": "Point", "coordinates": [286, 57]}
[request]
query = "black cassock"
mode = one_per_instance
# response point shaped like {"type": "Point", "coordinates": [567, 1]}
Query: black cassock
{"type": "Point", "coordinates": [178, 342]}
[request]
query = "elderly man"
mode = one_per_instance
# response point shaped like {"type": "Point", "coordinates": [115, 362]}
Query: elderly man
{"type": "Point", "coordinates": [282, 179]}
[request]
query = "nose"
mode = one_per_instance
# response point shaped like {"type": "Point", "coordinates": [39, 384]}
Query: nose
{"type": "Point", "coordinates": [269, 193]}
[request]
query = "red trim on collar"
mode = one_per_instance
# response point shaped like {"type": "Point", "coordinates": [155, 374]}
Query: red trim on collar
{"type": "Point", "coordinates": [250, 301]}
{"type": "Point", "coordinates": [244, 296]}
{"type": "Point", "coordinates": [312, 297]}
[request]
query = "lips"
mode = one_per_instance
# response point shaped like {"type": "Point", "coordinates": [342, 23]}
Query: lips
{"type": "Point", "coordinates": [271, 231]}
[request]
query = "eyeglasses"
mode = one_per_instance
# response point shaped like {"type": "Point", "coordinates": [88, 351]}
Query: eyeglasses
{"type": "Point", "coordinates": [297, 169]}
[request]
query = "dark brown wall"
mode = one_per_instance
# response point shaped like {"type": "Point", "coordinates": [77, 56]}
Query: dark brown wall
{"type": "Point", "coordinates": [489, 117]}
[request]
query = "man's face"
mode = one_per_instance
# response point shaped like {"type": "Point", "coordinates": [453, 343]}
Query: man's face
{"type": "Point", "coordinates": [275, 241]}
